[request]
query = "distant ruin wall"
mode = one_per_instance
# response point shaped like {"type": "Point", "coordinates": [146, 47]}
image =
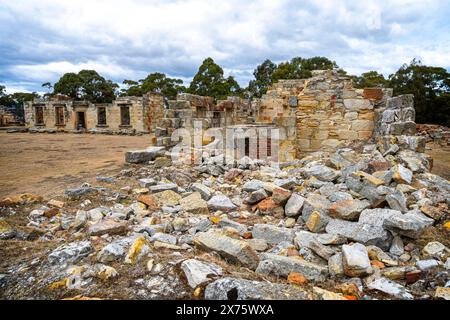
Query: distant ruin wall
{"type": "Point", "coordinates": [124, 115]}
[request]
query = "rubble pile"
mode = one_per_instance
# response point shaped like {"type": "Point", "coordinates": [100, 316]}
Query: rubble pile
{"type": "Point", "coordinates": [343, 225]}
{"type": "Point", "coordinates": [434, 133]}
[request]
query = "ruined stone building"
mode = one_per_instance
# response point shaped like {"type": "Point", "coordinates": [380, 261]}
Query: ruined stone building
{"type": "Point", "coordinates": [124, 115]}
{"type": "Point", "coordinates": [7, 118]}
{"type": "Point", "coordinates": [324, 112]}
{"type": "Point", "coordinates": [293, 118]}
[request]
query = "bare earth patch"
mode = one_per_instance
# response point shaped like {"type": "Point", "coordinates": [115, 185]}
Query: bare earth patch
{"type": "Point", "coordinates": [46, 164]}
{"type": "Point", "coordinates": [441, 160]}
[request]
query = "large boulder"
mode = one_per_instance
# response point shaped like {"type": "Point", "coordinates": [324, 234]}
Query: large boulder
{"type": "Point", "coordinates": [391, 288]}
{"type": "Point", "coordinates": [108, 226]}
{"type": "Point", "coordinates": [367, 186]}
{"type": "Point", "coordinates": [163, 187]}
{"type": "Point", "coordinates": [205, 191]}
{"type": "Point", "coordinates": [253, 185]}
{"type": "Point", "coordinates": [114, 250]}
{"type": "Point", "coordinates": [315, 202]}
{"type": "Point", "coordinates": [402, 174]}
{"type": "Point", "coordinates": [397, 201]}
{"type": "Point", "coordinates": [257, 196]}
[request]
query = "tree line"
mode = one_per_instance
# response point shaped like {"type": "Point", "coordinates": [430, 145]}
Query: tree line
{"type": "Point", "coordinates": [430, 85]}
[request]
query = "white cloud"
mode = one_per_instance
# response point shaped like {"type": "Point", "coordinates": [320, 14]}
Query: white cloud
{"type": "Point", "coordinates": [54, 69]}
{"type": "Point", "coordinates": [128, 39]}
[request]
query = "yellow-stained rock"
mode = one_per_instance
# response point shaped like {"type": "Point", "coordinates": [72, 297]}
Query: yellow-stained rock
{"type": "Point", "coordinates": [442, 293]}
{"type": "Point", "coordinates": [135, 249]}
{"type": "Point", "coordinates": [107, 272]}
{"type": "Point", "coordinates": [62, 284]}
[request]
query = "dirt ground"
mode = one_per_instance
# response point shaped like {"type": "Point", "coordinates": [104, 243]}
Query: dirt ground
{"type": "Point", "coordinates": [441, 160]}
{"type": "Point", "coordinates": [47, 164]}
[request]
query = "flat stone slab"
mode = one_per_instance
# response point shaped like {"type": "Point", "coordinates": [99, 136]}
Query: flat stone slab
{"type": "Point", "coordinates": [272, 234]}
{"type": "Point", "coordinates": [236, 251]}
{"type": "Point", "coordinates": [141, 156]}
{"type": "Point", "coordinates": [199, 272]}
{"type": "Point", "coordinates": [222, 203]}
{"type": "Point", "coordinates": [108, 226]}
{"type": "Point", "coordinates": [70, 253]}
{"type": "Point", "coordinates": [241, 289]}
{"type": "Point", "coordinates": [361, 232]}
{"type": "Point", "coordinates": [391, 288]}
{"type": "Point", "coordinates": [283, 266]}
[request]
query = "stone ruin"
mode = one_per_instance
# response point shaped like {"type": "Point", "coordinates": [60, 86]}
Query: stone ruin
{"type": "Point", "coordinates": [294, 118]}
{"type": "Point", "coordinates": [7, 118]}
{"type": "Point", "coordinates": [125, 115]}
{"type": "Point", "coordinates": [324, 113]}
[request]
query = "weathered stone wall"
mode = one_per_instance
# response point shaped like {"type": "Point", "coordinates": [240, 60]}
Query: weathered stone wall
{"type": "Point", "coordinates": [153, 111]}
{"type": "Point", "coordinates": [323, 112]}
{"type": "Point", "coordinates": [328, 111]}
{"type": "Point", "coordinates": [49, 115]}
{"type": "Point", "coordinates": [144, 113]}
{"type": "Point", "coordinates": [397, 127]}
{"type": "Point", "coordinates": [7, 118]}
{"type": "Point", "coordinates": [189, 109]}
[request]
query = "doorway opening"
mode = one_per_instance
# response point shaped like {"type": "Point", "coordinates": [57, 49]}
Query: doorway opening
{"type": "Point", "coordinates": [81, 123]}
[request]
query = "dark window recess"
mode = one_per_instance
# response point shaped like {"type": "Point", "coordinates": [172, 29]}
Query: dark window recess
{"type": "Point", "coordinates": [101, 116]}
{"type": "Point", "coordinates": [247, 147]}
{"type": "Point", "coordinates": [125, 115]}
{"type": "Point", "coordinates": [216, 119]}
{"type": "Point", "coordinates": [39, 115]}
{"type": "Point", "coordinates": [269, 147]}
{"type": "Point", "coordinates": [59, 113]}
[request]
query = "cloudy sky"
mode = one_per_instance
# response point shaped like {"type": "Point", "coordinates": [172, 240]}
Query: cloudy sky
{"type": "Point", "coordinates": [42, 39]}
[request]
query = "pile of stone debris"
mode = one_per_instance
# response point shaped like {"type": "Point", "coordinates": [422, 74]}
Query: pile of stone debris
{"type": "Point", "coordinates": [434, 133]}
{"type": "Point", "coordinates": [346, 225]}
